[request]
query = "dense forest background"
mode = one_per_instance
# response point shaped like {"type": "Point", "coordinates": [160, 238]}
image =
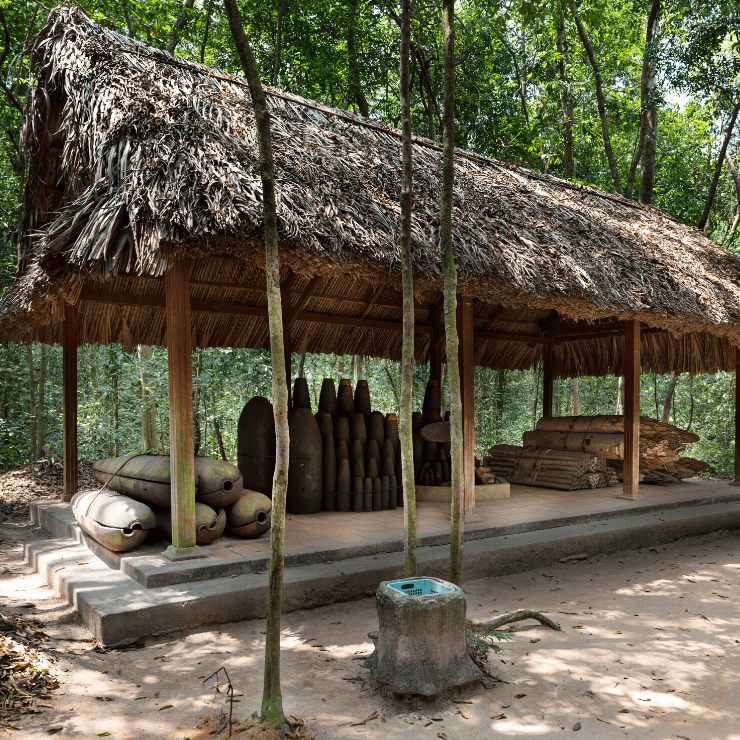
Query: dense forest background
{"type": "Point", "coordinates": [634, 96]}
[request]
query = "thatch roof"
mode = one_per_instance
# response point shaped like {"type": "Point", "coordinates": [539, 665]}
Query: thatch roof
{"type": "Point", "coordinates": [136, 156]}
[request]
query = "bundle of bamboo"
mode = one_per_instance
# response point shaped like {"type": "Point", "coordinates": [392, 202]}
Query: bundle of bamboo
{"type": "Point", "coordinates": [661, 445]}
{"type": "Point", "coordinates": [562, 469]}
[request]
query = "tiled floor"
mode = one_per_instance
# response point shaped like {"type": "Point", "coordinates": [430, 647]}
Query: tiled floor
{"type": "Point", "coordinates": [527, 504]}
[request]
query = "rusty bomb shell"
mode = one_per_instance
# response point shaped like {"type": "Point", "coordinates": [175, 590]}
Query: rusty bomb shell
{"type": "Point", "coordinates": [209, 525]}
{"type": "Point", "coordinates": [358, 495]}
{"type": "Point", "coordinates": [341, 431]}
{"type": "Point", "coordinates": [301, 394]}
{"type": "Point", "coordinates": [376, 428]}
{"type": "Point", "coordinates": [362, 398]}
{"type": "Point", "coordinates": [342, 452]}
{"type": "Point", "coordinates": [328, 397]}
{"type": "Point", "coordinates": [372, 470]}
{"type": "Point", "coordinates": [250, 516]}
{"type": "Point", "coordinates": [431, 397]}
{"type": "Point", "coordinates": [329, 467]}
{"type": "Point", "coordinates": [144, 478]}
{"type": "Point", "coordinates": [372, 452]}
{"type": "Point", "coordinates": [367, 498]}
{"type": "Point", "coordinates": [326, 424]}
{"type": "Point", "coordinates": [416, 422]}
{"type": "Point", "coordinates": [388, 451]}
{"type": "Point", "coordinates": [358, 468]}
{"type": "Point", "coordinates": [377, 494]}
{"type": "Point", "coordinates": [117, 522]}
{"type": "Point", "coordinates": [384, 492]}
{"type": "Point", "coordinates": [305, 479]}
{"type": "Point", "coordinates": [357, 450]}
{"type": "Point", "coordinates": [391, 432]}
{"type": "Point", "coordinates": [219, 482]}
{"type": "Point", "coordinates": [358, 431]}
{"type": "Point", "coordinates": [345, 400]}
{"type": "Point", "coordinates": [343, 481]}
{"type": "Point", "coordinates": [394, 499]}
{"type": "Point", "coordinates": [328, 501]}
{"type": "Point", "coordinates": [389, 467]}
{"type": "Point", "coordinates": [430, 452]}
{"type": "Point", "coordinates": [255, 444]}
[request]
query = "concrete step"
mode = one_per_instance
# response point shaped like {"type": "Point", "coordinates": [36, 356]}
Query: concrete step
{"type": "Point", "coordinates": [117, 609]}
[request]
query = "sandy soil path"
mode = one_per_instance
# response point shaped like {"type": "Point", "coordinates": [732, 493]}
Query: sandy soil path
{"type": "Point", "coordinates": [650, 648]}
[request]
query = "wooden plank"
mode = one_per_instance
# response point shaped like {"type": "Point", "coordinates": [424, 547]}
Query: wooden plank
{"type": "Point", "coordinates": [182, 464]}
{"type": "Point", "coordinates": [302, 301]}
{"type": "Point", "coordinates": [632, 342]}
{"type": "Point", "coordinates": [69, 383]}
{"type": "Point", "coordinates": [369, 305]}
{"type": "Point", "coordinates": [467, 375]}
{"type": "Point", "coordinates": [521, 338]}
{"type": "Point", "coordinates": [494, 317]}
{"type": "Point", "coordinates": [570, 331]}
{"type": "Point", "coordinates": [737, 416]}
{"type": "Point", "coordinates": [547, 381]}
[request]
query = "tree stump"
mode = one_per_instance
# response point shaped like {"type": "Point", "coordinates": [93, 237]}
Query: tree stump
{"type": "Point", "coordinates": [421, 646]}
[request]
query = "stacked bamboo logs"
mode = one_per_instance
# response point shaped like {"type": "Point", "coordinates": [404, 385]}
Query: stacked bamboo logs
{"type": "Point", "coordinates": [361, 449]}
{"type": "Point", "coordinates": [560, 469]}
{"type": "Point", "coordinates": [661, 445]}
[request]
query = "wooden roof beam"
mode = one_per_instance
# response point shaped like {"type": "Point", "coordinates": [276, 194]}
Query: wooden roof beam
{"type": "Point", "coordinates": [302, 301]}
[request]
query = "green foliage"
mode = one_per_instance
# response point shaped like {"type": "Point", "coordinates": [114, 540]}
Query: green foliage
{"type": "Point", "coordinates": [479, 645]}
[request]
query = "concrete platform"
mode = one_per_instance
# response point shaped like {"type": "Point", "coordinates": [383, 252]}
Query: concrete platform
{"type": "Point", "coordinates": [124, 596]}
{"type": "Point", "coordinates": [443, 494]}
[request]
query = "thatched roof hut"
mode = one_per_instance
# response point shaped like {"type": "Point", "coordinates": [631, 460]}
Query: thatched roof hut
{"type": "Point", "coordinates": [136, 156]}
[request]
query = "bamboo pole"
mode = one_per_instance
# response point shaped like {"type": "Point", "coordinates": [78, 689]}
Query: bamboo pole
{"type": "Point", "coordinates": [180, 379]}
{"type": "Point", "coordinates": [69, 383]}
{"type": "Point", "coordinates": [547, 381]}
{"type": "Point", "coordinates": [631, 470]}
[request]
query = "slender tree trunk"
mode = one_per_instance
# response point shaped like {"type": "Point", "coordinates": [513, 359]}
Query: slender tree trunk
{"type": "Point", "coordinates": [449, 271]}
{"type": "Point", "coordinates": [619, 406]}
{"type": "Point", "coordinates": [42, 394]}
{"type": "Point", "coordinates": [94, 385]}
{"type": "Point", "coordinates": [32, 451]}
{"type": "Point", "coordinates": [599, 96]}
{"type": "Point", "coordinates": [393, 385]}
{"type": "Point", "coordinates": [718, 169]}
{"type": "Point", "coordinates": [442, 386]}
{"type": "Point", "coordinates": [500, 402]}
{"type": "Point", "coordinates": [148, 404]}
{"type": "Point", "coordinates": [206, 31]}
{"type": "Point", "coordinates": [179, 24]}
{"type": "Point", "coordinates": [691, 409]}
{"type": "Point", "coordinates": [665, 414]}
{"type": "Point", "coordinates": [649, 107]}
{"type": "Point", "coordinates": [219, 439]}
{"type": "Point", "coordinates": [272, 700]}
{"type": "Point", "coordinates": [300, 372]}
{"type": "Point", "coordinates": [357, 365]}
{"type": "Point", "coordinates": [575, 398]}
{"type": "Point", "coordinates": [356, 94]}
{"type": "Point", "coordinates": [566, 99]}
{"type": "Point", "coordinates": [278, 45]}
{"type": "Point", "coordinates": [127, 16]}
{"type": "Point", "coordinates": [197, 394]}
{"type": "Point", "coordinates": [116, 411]}
{"type": "Point", "coordinates": [407, 282]}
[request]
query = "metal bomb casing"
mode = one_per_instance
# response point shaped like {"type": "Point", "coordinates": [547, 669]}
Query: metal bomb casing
{"type": "Point", "coordinates": [250, 515]}
{"type": "Point", "coordinates": [209, 525]}
{"type": "Point", "coordinates": [305, 464]}
{"type": "Point", "coordinates": [145, 478]}
{"type": "Point", "coordinates": [115, 521]}
{"type": "Point", "coordinates": [256, 445]}
{"type": "Point", "coordinates": [219, 482]}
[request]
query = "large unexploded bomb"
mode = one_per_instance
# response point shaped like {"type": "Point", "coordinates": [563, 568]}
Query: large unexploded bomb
{"type": "Point", "coordinates": [256, 445]}
{"type": "Point", "coordinates": [250, 515]}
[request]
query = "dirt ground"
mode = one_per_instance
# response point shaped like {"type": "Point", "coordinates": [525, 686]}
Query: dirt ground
{"type": "Point", "coordinates": [650, 648]}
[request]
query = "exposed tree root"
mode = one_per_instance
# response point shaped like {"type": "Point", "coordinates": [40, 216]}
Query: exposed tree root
{"type": "Point", "coordinates": [516, 616]}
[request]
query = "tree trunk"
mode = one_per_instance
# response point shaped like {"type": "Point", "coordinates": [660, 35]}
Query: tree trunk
{"type": "Point", "coordinates": [197, 394]}
{"type": "Point", "coordinates": [94, 385]}
{"type": "Point", "coordinates": [599, 96]}
{"type": "Point", "coordinates": [619, 406]}
{"type": "Point", "coordinates": [649, 108]}
{"type": "Point", "coordinates": [691, 409]}
{"type": "Point", "coordinates": [665, 414]}
{"type": "Point", "coordinates": [205, 31]}
{"type": "Point", "coordinates": [566, 99]}
{"type": "Point", "coordinates": [575, 398]}
{"type": "Point", "coordinates": [442, 386]}
{"type": "Point", "coordinates": [148, 404]}
{"type": "Point", "coordinates": [42, 393]}
{"type": "Point", "coordinates": [393, 385]}
{"type": "Point", "coordinates": [450, 294]}
{"type": "Point", "coordinates": [179, 24]}
{"type": "Point", "coordinates": [300, 372]}
{"type": "Point", "coordinates": [407, 282]}
{"type": "Point", "coordinates": [356, 94]}
{"type": "Point", "coordinates": [127, 16]}
{"type": "Point", "coordinates": [500, 405]}
{"type": "Point", "coordinates": [272, 701]}
{"type": "Point", "coordinates": [278, 45]}
{"type": "Point", "coordinates": [116, 411]}
{"type": "Point", "coordinates": [718, 169]}
{"type": "Point", "coordinates": [219, 439]}
{"type": "Point", "coordinates": [357, 362]}
{"type": "Point", "coordinates": [32, 450]}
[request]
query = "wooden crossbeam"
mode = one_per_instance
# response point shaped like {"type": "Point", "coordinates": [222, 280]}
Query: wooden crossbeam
{"type": "Point", "coordinates": [494, 318]}
{"type": "Point", "coordinates": [302, 301]}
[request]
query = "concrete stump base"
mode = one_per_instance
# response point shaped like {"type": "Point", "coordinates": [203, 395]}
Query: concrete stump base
{"type": "Point", "coordinates": [421, 646]}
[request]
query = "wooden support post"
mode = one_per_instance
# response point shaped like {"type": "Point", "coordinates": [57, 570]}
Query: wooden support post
{"type": "Point", "coordinates": [435, 364]}
{"type": "Point", "coordinates": [286, 299]}
{"type": "Point", "coordinates": [465, 333]}
{"type": "Point", "coordinates": [736, 482]}
{"type": "Point", "coordinates": [69, 382]}
{"type": "Point", "coordinates": [547, 381]}
{"type": "Point", "coordinates": [631, 471]}
{"type": "Point", "coordinates": [179, 365]}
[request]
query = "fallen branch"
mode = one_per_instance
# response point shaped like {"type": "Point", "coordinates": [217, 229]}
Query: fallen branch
{"type": "Point", "coordinates": [517, 616]}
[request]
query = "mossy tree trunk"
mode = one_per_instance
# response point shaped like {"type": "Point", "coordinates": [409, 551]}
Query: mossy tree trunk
{"type": "Point", "coordinates": [42, 402]}
{"type": "Point", "coordinates": [407, 282]}
{"type": "Point", "coordinates": [450, 293]}
{"type": "Point", "coordinates": [32, 451]}
{"type": "Point", "coordinates": [272, 700]}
